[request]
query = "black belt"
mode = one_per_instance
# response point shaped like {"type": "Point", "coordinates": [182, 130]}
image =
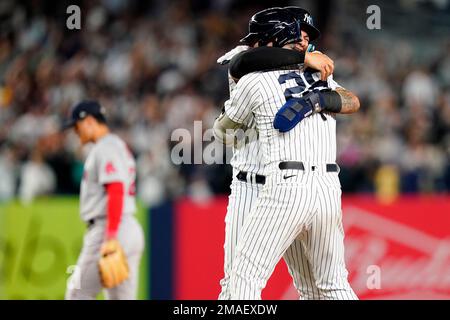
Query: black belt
{"type": "Point", "coordinates": [296, 165]}
{"type": "Point", "coordinates": [259, 179]}
{"type": "Point", "coordinates": [92, 221]}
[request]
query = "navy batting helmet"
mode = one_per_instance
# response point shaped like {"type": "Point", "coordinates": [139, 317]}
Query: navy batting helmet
{"type": "Point", "coordinates": [276, 25]}
{"type": "Point", "coordinates": [306, 21]}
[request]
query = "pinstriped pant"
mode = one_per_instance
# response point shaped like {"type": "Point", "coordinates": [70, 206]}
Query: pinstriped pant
{"type": "Point", "coordinates": [242, 198]}
{"type": "Point", "coordinates": [301, 213]}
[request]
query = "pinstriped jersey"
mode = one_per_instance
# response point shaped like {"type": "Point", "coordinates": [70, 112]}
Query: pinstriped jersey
{"type": "Point", "coordinates": [109, 161]}
{"type": "Point", "coordinates": [258, 96]}
{"type": "Point", "coordinates": [247, 157]}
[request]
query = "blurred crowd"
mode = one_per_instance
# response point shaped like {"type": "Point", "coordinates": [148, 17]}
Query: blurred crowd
{"type": "Point", "coordinates": [152, 65]}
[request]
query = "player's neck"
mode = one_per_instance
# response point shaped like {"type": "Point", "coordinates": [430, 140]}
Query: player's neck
{"type": "Point", "coordinates": [101, 132]}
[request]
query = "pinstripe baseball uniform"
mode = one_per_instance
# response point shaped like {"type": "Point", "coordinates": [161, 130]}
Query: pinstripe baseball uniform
{"type": "Point", "coordinates": [244, 193]}
{"type": "Point", "coordinates": [301, 199]}
{"type": "Point", "coordinates": [108, 161]}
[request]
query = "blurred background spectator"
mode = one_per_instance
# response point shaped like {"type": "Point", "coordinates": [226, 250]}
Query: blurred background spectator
{"type": "Point", "coordinates": [152, 64]}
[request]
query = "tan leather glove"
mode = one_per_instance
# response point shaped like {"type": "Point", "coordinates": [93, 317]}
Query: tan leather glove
{"type": "Point", "coordinates": [113, 265]}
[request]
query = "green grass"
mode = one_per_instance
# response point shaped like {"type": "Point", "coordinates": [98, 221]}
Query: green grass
{"type": "Point", "coordinates": [39, 242]}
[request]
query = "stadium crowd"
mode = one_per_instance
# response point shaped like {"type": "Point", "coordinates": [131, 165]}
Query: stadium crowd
{"type": "Point", "coordinates": [153, 66]}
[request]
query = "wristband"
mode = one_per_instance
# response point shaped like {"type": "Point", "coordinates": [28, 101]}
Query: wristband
{"type": "Point", "coordinates": [332, 101]}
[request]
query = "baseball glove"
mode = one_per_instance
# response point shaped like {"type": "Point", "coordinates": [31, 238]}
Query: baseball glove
{"type": "Point", "coordinates": [113, 265]}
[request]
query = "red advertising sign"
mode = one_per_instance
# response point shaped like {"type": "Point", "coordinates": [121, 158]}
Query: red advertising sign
{"type": "Point", "coordinates": [408, 241]}
{"type": "Point", "coordinates": [395, 251]}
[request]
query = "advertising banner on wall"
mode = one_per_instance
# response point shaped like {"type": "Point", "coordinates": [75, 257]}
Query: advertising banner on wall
{"type": "Point", "coordinates": [39, 247]}
{"type": "Point", "coordinates": [395, 251]}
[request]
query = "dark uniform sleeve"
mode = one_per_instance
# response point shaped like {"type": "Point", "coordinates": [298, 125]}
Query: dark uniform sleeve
{"type": "Point", "coordinates": [263, 58]}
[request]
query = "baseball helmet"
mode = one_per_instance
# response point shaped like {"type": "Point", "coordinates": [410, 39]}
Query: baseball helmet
{"type": "Point", "coordinates": [276, 25]}
{"type": "Point", "coordinates": [306, 21]}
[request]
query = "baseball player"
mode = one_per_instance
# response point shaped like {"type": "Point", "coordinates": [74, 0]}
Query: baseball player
{"type": "Point", "coordinates": [247, 163]}
{"type": "Point", "coordinates": [300, 200]}
{"type": "Point", "coordinates": [114, 241]}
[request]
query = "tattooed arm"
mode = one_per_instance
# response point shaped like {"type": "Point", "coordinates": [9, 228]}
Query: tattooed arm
{"type": "Point", "coordinates": [350, 102]}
